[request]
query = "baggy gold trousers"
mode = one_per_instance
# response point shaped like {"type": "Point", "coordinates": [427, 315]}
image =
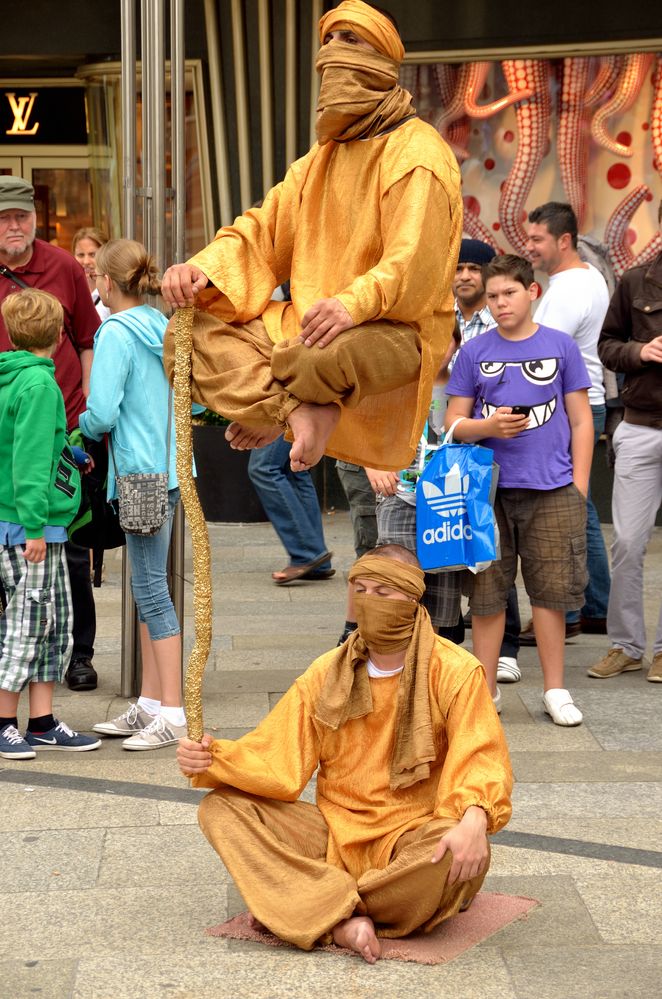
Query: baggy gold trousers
{"type": "Point", "coordinates": [239, 372]}
{"type": "Point", "coordinates": [276, 854]}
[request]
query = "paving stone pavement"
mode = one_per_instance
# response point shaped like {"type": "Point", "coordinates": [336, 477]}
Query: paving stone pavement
{"type": "Point", "coordinates": [108, 884]}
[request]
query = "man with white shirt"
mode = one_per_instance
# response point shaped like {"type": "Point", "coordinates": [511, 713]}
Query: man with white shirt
{"type": "Point", "coordinates": [576, 302]}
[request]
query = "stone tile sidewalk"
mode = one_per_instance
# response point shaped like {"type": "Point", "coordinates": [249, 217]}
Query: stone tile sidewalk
{"type": "Point", "coordinates": [108, 884]}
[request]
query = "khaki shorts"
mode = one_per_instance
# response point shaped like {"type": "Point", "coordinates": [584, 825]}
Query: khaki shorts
{"type": "Point", "coordinates": [547, 529]}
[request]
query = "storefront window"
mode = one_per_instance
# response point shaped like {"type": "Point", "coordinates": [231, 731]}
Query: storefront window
{"type": "Point", "coordinates": [586, 130]}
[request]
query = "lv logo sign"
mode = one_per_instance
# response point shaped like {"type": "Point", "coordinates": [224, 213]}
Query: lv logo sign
{"type": "Point", "coordinates": [22, 109]}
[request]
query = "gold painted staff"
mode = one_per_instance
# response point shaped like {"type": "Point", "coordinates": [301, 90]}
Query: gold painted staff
{"type": "Point", "coordinates": [198, 526]}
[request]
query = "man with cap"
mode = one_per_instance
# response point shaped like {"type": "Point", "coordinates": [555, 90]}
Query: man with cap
{"type": "Point", "coordinates": [367, 228]}
{"type": "Point", "coordinates": [471, 311]}
{"type": "Point", "coordinates": [413, 775]}
{"type": "Point", "coordinates": [27, 261]}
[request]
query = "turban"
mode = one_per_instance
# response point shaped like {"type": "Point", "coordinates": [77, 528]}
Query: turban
{"type": "Point", "coordinates": [368, 23]}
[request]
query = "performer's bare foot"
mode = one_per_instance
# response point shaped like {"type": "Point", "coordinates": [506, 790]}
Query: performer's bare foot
{"type": "Point", "coordinates": [312, 426]}
{"type": "Point", "coordinates": [243, 438]}
{"type": "Point", "coordinates": [358, 933]}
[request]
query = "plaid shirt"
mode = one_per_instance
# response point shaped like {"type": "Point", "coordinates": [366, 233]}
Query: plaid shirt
{"type": "Point", "coordinates": [479, 323]}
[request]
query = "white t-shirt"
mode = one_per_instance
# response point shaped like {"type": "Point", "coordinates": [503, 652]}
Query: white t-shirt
{"type": "Point", "coordinates": [576, 302]}
{"type": "Point", "coordinates": [376, 673]}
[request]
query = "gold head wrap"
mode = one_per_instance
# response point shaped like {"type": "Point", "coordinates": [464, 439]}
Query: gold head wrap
{"type": "Point", "coordinates": [371, 25]}
{"type": "Point", "coordinates": [346, 691]}
{"type": "Point", "coordinates": [359, 94]}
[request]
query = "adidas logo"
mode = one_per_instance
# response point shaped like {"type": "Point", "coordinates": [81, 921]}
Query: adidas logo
{"type": "Point", "coordinates": [448, 503]}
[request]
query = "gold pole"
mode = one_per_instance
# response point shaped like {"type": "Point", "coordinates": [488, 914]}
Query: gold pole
{"type": "Point", "coordinates": [197, 525]}
{"type": "Point", "coordinates": [241, 100]}
{"type": "Point", "coordinates": [314, 77]}
{"type": "Point", "coordinates": [290, 82]}
{"type": "Point", "coordinates": [265, 97]}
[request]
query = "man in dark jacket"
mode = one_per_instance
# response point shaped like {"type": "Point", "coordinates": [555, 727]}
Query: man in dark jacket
{"type": "Point", "coordinates": [631, 343]}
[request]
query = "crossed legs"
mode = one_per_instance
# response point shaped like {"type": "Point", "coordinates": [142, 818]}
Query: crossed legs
{"type": "Point", "coordinates": [276, 853]}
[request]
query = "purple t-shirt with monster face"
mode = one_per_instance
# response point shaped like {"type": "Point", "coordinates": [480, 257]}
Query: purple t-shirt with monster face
{"type": "Point", "coordinates": [536, 372]}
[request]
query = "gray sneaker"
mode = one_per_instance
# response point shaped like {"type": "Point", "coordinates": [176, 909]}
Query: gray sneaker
{"type": "Point", "coordinates": [157, 734]}
{"type": "Point", "coordinates": [133, 720]}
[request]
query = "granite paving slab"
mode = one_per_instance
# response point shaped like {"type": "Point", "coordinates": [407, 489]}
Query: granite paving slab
{"type": "Point", "coordinates": [176, 855]}
{"type": "Point", "coordinates": [571, 972]}
{"type": "Point", "coordinates": [48, 860]}
{"type": "Point", "coordinates": [587, 766]}
{"type": "Point", "coordinates": [27, 979]}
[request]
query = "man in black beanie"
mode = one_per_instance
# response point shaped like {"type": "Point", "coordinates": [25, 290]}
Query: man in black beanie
{"type": "Point", "coordinates": [473, 315]}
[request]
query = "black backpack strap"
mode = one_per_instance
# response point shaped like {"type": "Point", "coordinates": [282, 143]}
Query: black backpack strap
{"type": "Point", "coordinates": [11, 276]}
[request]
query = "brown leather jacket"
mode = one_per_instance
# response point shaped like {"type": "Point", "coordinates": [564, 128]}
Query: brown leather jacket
{"type": "Point", "coordinates": [634, 317]}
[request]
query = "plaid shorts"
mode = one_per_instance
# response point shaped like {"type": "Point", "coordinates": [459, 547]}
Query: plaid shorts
{"type": "Point", "coordinates": [396, 523]}
{"type": "Point", "coordinates": [547, 529]}
{"type": "Point", "coordinates": [35, 630]}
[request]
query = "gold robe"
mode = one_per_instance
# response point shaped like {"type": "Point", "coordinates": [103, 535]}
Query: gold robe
{"type": "Point", "coordinates": [364, 816]}
{"type": "Point", "coordinates": [376, 223]}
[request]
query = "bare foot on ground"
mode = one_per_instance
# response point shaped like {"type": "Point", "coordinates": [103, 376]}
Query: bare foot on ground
{"type": "Point", "coordinates": [358, 933]}
{"type": "Point", "coordinates": [244, 438]}
{"type": "Point", "coordinates": [311, 426]}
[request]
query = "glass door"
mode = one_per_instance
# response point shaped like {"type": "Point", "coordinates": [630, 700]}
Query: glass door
{"type": "Point", "coordinates": [64, 199]}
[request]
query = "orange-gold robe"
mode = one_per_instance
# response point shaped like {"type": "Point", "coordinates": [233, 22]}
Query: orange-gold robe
{"type": "Point", "coordinates": [364, 816]}
{"type": "Point", "coordinates": [375, 223]}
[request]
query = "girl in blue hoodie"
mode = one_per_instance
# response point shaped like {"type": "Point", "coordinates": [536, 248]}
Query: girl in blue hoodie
{"type": "Point", "coordinates": [129, 400]}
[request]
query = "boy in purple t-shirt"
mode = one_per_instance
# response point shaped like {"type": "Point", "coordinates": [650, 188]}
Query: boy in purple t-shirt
{"type": "Point", "coordinates": [521, 389]}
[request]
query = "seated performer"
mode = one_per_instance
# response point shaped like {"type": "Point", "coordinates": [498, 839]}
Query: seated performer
{"type": "Point", "coordinates": [413, 774]}
{"type": "Point", "coordinates": [367, 228]}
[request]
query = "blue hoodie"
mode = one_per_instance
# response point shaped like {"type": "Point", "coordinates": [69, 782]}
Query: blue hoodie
{"type": "Point", "coordinates": [129, 394]}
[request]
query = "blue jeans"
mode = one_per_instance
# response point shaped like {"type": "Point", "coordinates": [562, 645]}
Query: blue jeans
{"type": "Point", "coordinates": [148, 557]}
{"type": "Point", "coordinates": [596, 595]}
{"type": "Point", "coordinates": [290, 502]}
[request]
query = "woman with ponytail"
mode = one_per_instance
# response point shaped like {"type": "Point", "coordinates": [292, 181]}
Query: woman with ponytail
{"type": "Point", "coordinates": [129, 399]}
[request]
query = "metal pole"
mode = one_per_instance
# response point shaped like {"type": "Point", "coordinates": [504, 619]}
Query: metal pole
{"type": "Point", "coordinates": [178, 160]}
{"type": "Point", "coordinates": [218, 113]}
{"type": "Point", "coordinates": [178, 127]}
{"type": "Point", "coordinates": [128, 30]}
{"type": "Point", "coordinates": [157, 133]}
{"type": "Point", "coordinates": [146, 192]}
{"type": "Point", "coordinates": [266, 88]}
{"type": "Point", "coordinates": [130, 654]}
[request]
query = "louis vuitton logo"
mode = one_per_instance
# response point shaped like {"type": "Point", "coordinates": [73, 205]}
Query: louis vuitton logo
{"type": "Point", "coordinates": [21, 109]}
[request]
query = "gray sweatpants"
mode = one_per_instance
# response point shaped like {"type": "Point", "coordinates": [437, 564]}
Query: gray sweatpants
{"type": "Point", "coordinates": [635, 501]}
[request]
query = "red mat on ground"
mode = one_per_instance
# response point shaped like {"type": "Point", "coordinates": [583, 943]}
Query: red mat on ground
{"type": "Point", "coordinates": [489, 913]}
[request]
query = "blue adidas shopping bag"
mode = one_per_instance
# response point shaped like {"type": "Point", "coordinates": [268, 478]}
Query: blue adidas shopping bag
{"type": "Point", "coordinates": [455, 525]}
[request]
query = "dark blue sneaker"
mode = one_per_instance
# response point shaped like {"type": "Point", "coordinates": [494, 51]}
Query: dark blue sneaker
{"type": "Point", "coordinates": [62, 737]}
{"type": "Point", "coordinates": [13, 746]}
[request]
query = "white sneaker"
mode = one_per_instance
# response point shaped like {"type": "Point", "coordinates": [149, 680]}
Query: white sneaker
{"type": "Point", "coordinates": [508, 671]}
{"type": "Point", "coordinates": [496, 700]}
{"type": "Point", "coordinates": [133, 720]}
{"type": "Point", "coordinates": [158, 733]}
{"type": "Point", "coordinates": [561, 708]}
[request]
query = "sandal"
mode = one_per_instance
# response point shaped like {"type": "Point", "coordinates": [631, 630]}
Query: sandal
{"type": "Point", "coordinates": [294, 572]}
{"type": "Point", "coordinates": [561, 708]}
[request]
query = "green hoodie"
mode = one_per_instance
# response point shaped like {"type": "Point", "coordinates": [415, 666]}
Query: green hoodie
{"type": "Point", "coordinates": [39, 481]}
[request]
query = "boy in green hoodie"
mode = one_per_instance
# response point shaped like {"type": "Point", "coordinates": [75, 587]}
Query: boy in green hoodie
{"type": "Point", "coordinates": [39, 496]}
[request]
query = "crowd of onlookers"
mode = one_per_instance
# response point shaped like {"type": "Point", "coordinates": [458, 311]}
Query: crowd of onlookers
{"type": "Point", "coordinates": [525, 377]}
{"type": "Point", "coordinates": [51, 313]}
